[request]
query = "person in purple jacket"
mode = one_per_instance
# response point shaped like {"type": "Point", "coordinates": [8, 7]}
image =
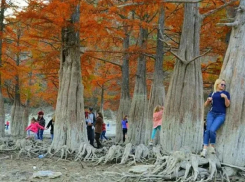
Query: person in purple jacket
{"type": "Point", "coordinates": [124, 127]}
{"type": "Point", "coordinates": [219, 100]}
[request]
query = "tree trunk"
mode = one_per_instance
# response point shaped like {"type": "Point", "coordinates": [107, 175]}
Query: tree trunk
{"type": "Point", "coordinates": [230, 138]}
{"type": "Point", "coordinates": [124, 104]}
{"type": "Point", "coordinates": [69, 127]}
{"type": "Point", "coordinates": [2, 112]}
{"type": "Point", "coordinates": [102, 99]}
{"type": "Point", "coordinates": [183, 115]}
{"type": "Point", "coordinates": [157, 94]}
{"type": "Point", "coordinates": [138, 109]}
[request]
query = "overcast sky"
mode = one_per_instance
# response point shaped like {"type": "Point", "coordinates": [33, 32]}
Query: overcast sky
{"type": "Point", "coordinates": [19, 3]}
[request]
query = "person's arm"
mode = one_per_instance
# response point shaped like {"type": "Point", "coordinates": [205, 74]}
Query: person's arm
{"type": "Point", "coordinates": [227, 101]}
{"type": "Point", "coordinates": [39, 126]}
{"type": "Point", "coordinates": [28, 127]}
{"type": "Point", "coordinates": [49, 124]}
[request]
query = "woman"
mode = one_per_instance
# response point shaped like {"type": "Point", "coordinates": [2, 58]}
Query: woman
{"type": "Point", "coordinates": [157, 121]}
{"type": "Point", "coordinates": [41, 122]}
{"type": "Point", "coordinates": [219, 100]}
{"type": "Point", "coordinates": [124, 127]}
{"type": "Point", "coordinates": [98, 129]}
{"type": "Point", "coordinates": [51, 124]}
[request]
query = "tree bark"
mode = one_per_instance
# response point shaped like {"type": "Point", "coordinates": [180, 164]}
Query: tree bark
{"type": "Point", "coordinates": [183, 115]}
{"type": "Point", "coordinates": [138, 109]}
{"type": "Point", "coordinates": [124, 104]}
{"type": "Point", "coordinates": [230, 138]}
{"type": "Point", "coordinates": [157, 94]}
{"type": "Point", "coordinates": [2, 112]}
{"type": "Point", "coordinates": [17, 127]}
{"type": "Point", "coordinates": [69, 127]}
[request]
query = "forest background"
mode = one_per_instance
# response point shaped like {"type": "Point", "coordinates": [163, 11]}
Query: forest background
{"type": "Point", "coordinates": [126, 51]}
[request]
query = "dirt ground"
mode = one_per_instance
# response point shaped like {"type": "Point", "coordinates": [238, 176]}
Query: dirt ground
{"type": "Point", "coordinates": [13, 170]}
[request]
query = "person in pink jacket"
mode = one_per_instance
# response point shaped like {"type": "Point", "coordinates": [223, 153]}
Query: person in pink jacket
{"type": "Point", "coordinates": [33, 127]}
{"type": "Point", "coordinates": [157, 121]}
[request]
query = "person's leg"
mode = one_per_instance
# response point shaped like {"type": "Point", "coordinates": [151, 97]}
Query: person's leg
{"type": "Point", "coordinates": [153, 133]}
{"type": "Point", "coordinates": [210, 120]}
{"type": "Point", "coordinates": [92, 137]}
{"type": "Point", "coordinates": [41, 134]}
{"type": "Point", "coordinates": [7, 127]}
{"type": "Point", "coordinates": [52, 137]}
{"type": "Point", "coordinates": [35, 136]}
{"type": "Point", "coordinates": [38, 134]}
{"type": "Point", "coordinates": [29, 133]}
{"type": "Point", "coordinates": [97, 138]}
{"type": "Point", "coordinates": [124, 133]}
{"type": "Point", "coordinates": [218, 121]}
{"type": "Point", "coordinates": [104, 132]}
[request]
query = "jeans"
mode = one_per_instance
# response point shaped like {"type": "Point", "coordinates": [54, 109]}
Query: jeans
{"type": "Point", "coordinates": [214, 121]}
{"type": "Point", "coordinates": [52, 136]}
{"type": "Point", "coordinates": [124, 133]}
{"type": "Point", "coordinates": [154, 131]}
{"type": "Point", "coordinates": [97, 138]}
{"type": "Point", "coordinates": [29, 134]}
{"type": "Point", "coordinates": [40, 134]}
{"type": "Point", "coordinates": [103, 135]}
{"type": "Point", "coordinates": [90, 133]}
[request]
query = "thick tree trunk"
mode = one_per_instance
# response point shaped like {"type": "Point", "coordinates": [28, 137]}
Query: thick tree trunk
{"type": "Point", "coordinates": [183, 115]}
{"type": "Point", "coordinates": [69, 127]}
{"type": "Point", "coordinates": [2, 112]}
{"type": "Point", "coordinates": [138, 109]}
{"type": "Point", "coordinates": [157, 94]}
{"type": "Point", "coordinates": [124, 104]}
{"type": "Point", "coordinates": [230, 138]}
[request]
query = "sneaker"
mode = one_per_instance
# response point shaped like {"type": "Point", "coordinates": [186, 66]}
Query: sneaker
{"type": "Point", "coordinates": [212, 150]}
{"type": "Point", "coordinates": [151, 143]}
{"type": "Point", "coordinates": [204, 153]}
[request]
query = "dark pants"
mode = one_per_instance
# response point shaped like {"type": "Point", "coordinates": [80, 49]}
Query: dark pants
{"type": "Point", "coordinates": [124, 133]}
{"type": "Point", "coordinates": [97, 138]}
{"type": "Point", "coordinates": [90, 133]}
{"type": "Point", "coordinates": [40, 134]}
{"type": "Point", "coordinates": [103, 135]}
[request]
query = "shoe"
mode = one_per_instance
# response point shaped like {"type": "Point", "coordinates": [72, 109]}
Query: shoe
{"type": "Point", "coordinates": [151, 143]}
{"type": "Point", "coordinates": [212, 150]}
{"type": "Point", "coordinates": [204, 153]}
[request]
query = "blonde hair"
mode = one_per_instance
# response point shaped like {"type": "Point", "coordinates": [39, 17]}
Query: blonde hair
{"type": "Point", "coordinates": [217, 82]}
{"type": "Point", "coordinates": [157, 108]}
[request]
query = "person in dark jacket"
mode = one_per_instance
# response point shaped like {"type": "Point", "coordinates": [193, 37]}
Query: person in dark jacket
{"type": "Point", "coordinates": [41, 121]}
{"type": "Point", "coordinates": [98, 129]}
{"type": "Point", "coordinates": [51, 125]}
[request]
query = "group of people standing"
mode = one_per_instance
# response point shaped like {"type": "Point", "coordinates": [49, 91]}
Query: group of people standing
{"type": "Point", "coordinates": [37, 126]}
{"type": "Point", "coordinates": [96, 128]}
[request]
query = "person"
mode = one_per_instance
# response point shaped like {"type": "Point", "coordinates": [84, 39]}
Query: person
{"type": "Point", "coordinates": [103, 132]}
{"type": "Point", "coordinates": [33, 127]}
{"type": "Point", "coordinates": [7, 125]}
{"type": "Point", "coordinates": [51, 125]}
{"type": "Point", "coordinates": [41, 122]}
{"type": "Point", "coordinates": [157, 121]}
{"type": "Point", "coordinates": [90, 126]}
{"type": "Point", "coordinates": [98, 128]}
{"type": "Point", "coordinates": [124, 127]}
{"type": "Point", "coordinates": [219, 100]}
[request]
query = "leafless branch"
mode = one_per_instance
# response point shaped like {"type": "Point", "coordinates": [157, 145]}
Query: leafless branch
{"type": "Point", "coordinates": [233, 24]}
{"type": "Point", "coordinates": [149, 55]}
{"type": "Point", "coordinates": [101, 59]}
{"type": "Point", "coordinates": [217, 9]}
{"type": "Point", "coordinates": [129, 4]}
{"type": "Point", "coordinates": [199, 56]}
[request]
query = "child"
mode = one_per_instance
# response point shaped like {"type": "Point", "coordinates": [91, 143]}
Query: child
{"type": "Point", "coordinates": [33, 127]}
{"type": "Point", "coordinates": [157, 121]}
{"type": "Point", "coordinates": [103, 132]}
{"type": "Point", "coordinates": [124, 127]}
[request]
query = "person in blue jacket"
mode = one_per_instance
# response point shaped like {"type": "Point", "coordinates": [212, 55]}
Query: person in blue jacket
{"type": "Point", "coordinates": [219, 100]}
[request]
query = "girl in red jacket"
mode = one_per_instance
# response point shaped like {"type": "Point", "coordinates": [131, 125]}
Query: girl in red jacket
{"type": "Point", "coordinates": [33, 127]}
{"type": "Point", "coordinates": [157, 121]}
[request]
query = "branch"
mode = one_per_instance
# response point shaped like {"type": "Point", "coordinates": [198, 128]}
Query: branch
{"type": "Point", "coordinates": [199, 56]}
{"type": "Point", "coordinates": [217, 9]}
{"type": "Point", "coordinates": [149, 55]}
{"type": "Point", "coordinates": [129, 4]}
{"type": "Point", "coordinates": [177, 56]}
{"type": "Point", "coordinates": [101, 59]}
{"type": "Point", "coordinates": [182, 1]}
{"type": "Point", "coordinates": [233, 24]}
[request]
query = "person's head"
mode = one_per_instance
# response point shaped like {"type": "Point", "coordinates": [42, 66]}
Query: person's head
{"type": "Point", "coordinates": [125, 117]}
{"type": "Point", "coordinates": [40, 114]}
{"type": "Point", "coordinates": [157, 108]}
{"type": "Point", "coordinates": [90, 109]}
{"type": "Point", "coordinates": [99, 114]}
{"type": "Point", "coordinates": [33, 120]}
{"type": "Point", "coordinates": [219, 85]}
